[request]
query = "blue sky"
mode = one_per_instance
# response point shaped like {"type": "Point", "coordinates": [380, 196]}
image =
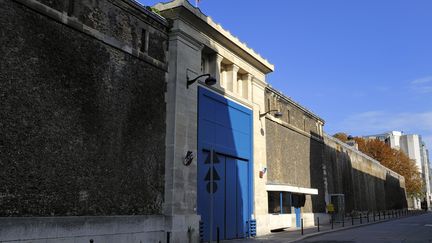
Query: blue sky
{"type": "Point", "coordinates": [364, 66]}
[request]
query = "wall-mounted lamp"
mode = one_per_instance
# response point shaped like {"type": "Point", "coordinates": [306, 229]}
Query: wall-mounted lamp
{"type": "Point", "coordinates": [208, 81]}
{"type": "Point", "coordinates": [277, 113]}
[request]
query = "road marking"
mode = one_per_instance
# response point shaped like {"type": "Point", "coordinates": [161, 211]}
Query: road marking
{"type": "Point", "coordinates": [429, 225]}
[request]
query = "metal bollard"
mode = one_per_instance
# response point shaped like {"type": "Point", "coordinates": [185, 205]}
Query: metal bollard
{"type": "Point", "coordinates": [343, 221]}
{"type": "Point", "coordinates": [367, 216]}
{"type": "Point", "coordinates": [352, 219]}
{"type": "Point", "coordinates": [374, 215]}
{"type": "Point", "coordinates": [361, 219]}
{"type": "Point", "coordinates": [332, 220]}
{"type": "Point", "coordinates": [384, 214]}
{"type": "Point", "coordinates": [217, 234]}
{"type": "Point", "coordinates": [302, 226]}
{"type": "Point", "coordinates": [318, 224]}
{"type": "Point", "coordinates": [168, 237]}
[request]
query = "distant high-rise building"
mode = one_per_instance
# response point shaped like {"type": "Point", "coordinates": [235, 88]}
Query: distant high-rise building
{"type": "Point", "coordinates": [391, 138]}
{"type": "Point", "coordinates": [413, 146]}
{"type": "Point", "coordinates": [427, 173]}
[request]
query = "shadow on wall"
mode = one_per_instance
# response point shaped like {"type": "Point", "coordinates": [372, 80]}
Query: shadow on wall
{"type": "Point", "coordinates": [361, 189]}
{"type": "Point", "coordinates": [316, 172]}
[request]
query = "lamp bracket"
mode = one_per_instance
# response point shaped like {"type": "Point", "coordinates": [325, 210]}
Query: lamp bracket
{"type": "Point", "coordinates": [189, 82]}
{"type": "Point", "coordinates": [265, 113]}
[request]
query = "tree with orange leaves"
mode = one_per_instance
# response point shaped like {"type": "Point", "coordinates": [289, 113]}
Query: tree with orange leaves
{"type": "Point", "coordinates": [341, 136]}
{"type": "Point", "coordinates": [391, 158]}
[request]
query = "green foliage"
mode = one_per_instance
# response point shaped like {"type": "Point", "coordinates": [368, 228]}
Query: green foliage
{"type": "Point", "coordinates": [154, 10]}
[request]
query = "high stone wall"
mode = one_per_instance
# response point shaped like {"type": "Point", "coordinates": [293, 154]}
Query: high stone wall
{"type": "Point", "coordinates": [82, 115]}
{"type": "Point", "coordinates": [366, 184]}
{"type": "Point", "coordinates": [295, 149]}
{"type": "Point", "coordinates": [295, 159]}
{"type": "Point", "coordinates": [298, 156]}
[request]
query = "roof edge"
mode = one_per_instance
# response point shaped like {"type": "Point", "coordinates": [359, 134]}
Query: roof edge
{"type": "Point", "coordinates": [217, 27]}
{"type": "Point", "coordinates": [291, 101]}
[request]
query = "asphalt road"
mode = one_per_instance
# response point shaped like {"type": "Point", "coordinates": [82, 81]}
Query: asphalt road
{"type": "Point", "coordinates": [412, 229]}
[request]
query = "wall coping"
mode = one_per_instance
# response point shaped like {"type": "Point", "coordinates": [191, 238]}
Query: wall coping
{"type": "Point", "coordinates": [346, 146]}
{"type": "Point", "coordinates": [73, 23]}
{"type": "Point", "coordinates": [292, 102]}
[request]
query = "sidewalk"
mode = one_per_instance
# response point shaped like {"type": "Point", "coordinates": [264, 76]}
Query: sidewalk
{"type": "Point", "coordinates": [295, 235]}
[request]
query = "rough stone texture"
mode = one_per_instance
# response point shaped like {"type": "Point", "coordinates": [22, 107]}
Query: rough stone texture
{"type": "Point", "coordinates": [82, 124]}
{"type": "Point", "coordinates": [291, 113]}
{"type": "Point", "coordinates": [295, 150]}
{"type": "Point", "coordinates": [60, 6]}
{"type": "Point", "coordinates": [100, 229]}
{"type": "Point", "coordinates": [366, 184]}
{"type": "Point", "coordinates": [127, 26]}
{"type": "Point", "coordinates": [296, 156]}
{"type": "Point", "coordinates": [155, 45]}
{"type": "Point", "coordinates": [295, 159]}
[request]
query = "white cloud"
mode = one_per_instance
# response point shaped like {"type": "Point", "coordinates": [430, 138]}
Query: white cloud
{"type": "Point", "coordinates": [376, 122]}
{"type": "Point", "coordinates": [379, 121]}
{"type": "Point", "coordinates": [422, 85]}
{"type": "Point", "coordinates": [422, 80]}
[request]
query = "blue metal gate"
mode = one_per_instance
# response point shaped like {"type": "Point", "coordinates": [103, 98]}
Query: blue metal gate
{"type": "Point", "coordinates": [224, 166]}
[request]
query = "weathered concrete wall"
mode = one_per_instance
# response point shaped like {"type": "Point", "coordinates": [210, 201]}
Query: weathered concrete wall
{"type": "Point", "coordinates": [82, 117]}
{"type": "Point", "coordinates": [366, 184]}
{"type": "Point", "coordinates": [293, 114]}
{"type": "Point", "coordinates": [99, 229]}
{"type": "Point", "coordinates": [294, 151]}
{"type": "Point", "coordinates": [295, 159]}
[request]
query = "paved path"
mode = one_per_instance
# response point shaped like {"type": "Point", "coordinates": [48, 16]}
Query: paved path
{"type": "Point", "coordinates": [409, 228]}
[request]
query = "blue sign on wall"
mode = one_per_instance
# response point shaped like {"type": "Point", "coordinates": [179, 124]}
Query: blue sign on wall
{"type": "Point", "coordinates": [224, 176]}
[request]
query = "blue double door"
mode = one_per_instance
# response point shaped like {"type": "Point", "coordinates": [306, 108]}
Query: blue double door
{"type": "Point", "coordinates": [224, 183]}
{"type": "Point", "coordinates": [229, 202]}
